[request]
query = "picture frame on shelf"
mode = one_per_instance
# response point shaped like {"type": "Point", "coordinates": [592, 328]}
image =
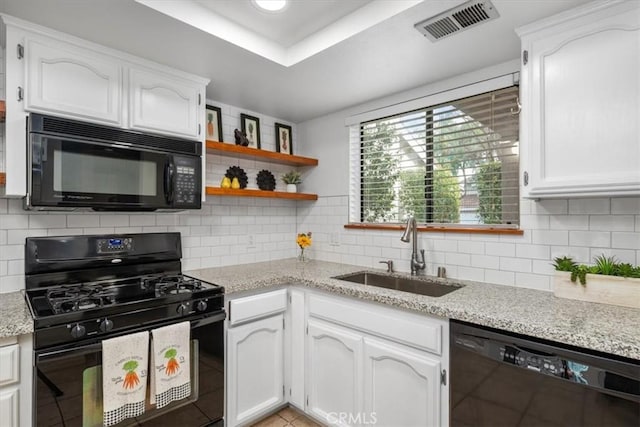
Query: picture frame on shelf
{"type": "Point", "coordinates": [250, 126]}
{"type": "Point", "coordinates": [213, 123]}
{"type": "Point", "coordinates": [284, 143]}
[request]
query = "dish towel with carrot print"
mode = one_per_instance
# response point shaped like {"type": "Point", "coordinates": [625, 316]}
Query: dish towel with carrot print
{"type": "Point", "coordinates": [170, 360]}
{"type": "Point", "coordinates": [125, 361]}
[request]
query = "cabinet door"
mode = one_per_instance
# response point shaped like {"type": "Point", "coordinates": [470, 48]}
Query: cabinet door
{"type": "Point", "coordinates": [581, 105]}
{"type": "Point", "coordinates": [334, 378]}
{"type": "Point", "coordinates": [401, 386]}
{"type": "Point", "coordinates": [255, 369]}
{"type": "Point", "coordinates": [9, 408]}
{"type": "Point", "coordinates": [69, 81]}
{"type": "Point", "coordinates": [164, 104]}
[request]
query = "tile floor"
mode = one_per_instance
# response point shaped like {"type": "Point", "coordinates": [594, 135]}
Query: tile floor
{"type": "Point", "coordinates": [286, 417]}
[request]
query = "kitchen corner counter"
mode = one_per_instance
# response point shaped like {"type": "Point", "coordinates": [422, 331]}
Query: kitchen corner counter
{"type": "Point", "coordinates": [600, 327]}
{"type": "Point", "coordinates": [15, 318]}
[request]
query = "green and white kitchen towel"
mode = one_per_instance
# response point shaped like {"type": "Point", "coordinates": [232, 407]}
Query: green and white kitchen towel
{"type": "Point", "coordinates": [124, 377]}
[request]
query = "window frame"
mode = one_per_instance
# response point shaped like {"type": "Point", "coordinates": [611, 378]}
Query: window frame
{"type": "Point", "coordinates": [425, 104]}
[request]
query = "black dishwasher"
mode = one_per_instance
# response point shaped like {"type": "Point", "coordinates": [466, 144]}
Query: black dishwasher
{"type": "Point", "coordinates": [505, 379]}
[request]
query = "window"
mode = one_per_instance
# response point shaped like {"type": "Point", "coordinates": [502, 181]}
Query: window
{"type": "Point", "coordinates": [455, 163]}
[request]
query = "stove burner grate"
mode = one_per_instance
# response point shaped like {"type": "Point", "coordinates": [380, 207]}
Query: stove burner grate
{"type": "Point", "coordinates": [68, 298]}
{"type": "Point", "coordinates": [172, 285]}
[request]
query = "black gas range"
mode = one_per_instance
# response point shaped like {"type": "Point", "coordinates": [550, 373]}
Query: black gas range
{"type": "Point", "coordinates": [83, 289]}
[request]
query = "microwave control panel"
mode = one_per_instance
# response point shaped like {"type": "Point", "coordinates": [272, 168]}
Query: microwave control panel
{"type": "Point", "coordinates": [187, 187]}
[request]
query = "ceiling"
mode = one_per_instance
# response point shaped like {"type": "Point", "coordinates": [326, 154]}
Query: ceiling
{"type": "Point", "coordinates": [380, 60]}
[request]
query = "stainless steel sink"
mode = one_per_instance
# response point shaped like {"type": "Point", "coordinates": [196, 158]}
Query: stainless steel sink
{"type": "Point", "coordinates": [415, 286]}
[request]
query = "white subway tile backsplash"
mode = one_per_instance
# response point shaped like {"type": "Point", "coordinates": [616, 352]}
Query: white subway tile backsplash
{"type": "Point", "coordinates": [500, 249]}
{"type": "Point", "coordinates": [470, 273]}
{"type": "Point", "coordinates": [485, 261]}
{"type": "Point", "coordinates": [625, 205]}
{"type": "Point", "coordinates": [590, 206]}
{"type": "Point", "coordinates": [83, 220]}
{"type": "Point", "coordinates": [569, 222]}
{"type": "Point", "coordinates": [532, 251]}
{"type": "Point", "coordinates": [600, 239]}
{"type": "Point", "coordinates": [553, 207]}
{"type": "Point", "coordinates": [500, 277]}
{"type": "Point", "coordinates": [471, 247]}
{"type": "Point", "coordinates": [533, 281]}
{"type": "Point", "coordinates": [625, 240]}
{"type": "Point", "coordinates": [452, 258]}
{"type": "Point", "coordinates": [515, 264]}
{"type": "Point", "coordinates": [611, 222]}
{"type": "Point", "coordinates": [13, 221]}
{"type": "Point", "coordinates": [114, 220]}
{"type": "Point", "coordinates": [550, 237]}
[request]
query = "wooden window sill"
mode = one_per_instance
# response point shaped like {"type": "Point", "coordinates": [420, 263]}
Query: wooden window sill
{"type": "Point", "coordinates": [439, 229]}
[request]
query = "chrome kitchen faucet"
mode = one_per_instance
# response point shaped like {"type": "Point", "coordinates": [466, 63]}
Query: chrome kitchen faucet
{"type": "Point", "coordinates": [417, 264]}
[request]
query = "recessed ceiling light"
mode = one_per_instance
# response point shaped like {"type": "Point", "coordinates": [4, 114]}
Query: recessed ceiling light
{"type": "Point", "coordinates": [270, 5]}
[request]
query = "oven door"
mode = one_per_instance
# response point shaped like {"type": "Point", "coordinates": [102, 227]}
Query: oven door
{"type": "Point", "coordinates": [79, 173]}
{"type": "Point", "coordinates": [68, 391]}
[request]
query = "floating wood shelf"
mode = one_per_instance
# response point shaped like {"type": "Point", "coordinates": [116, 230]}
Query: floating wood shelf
{"type": "Point", "coordinates": [3, 179]}
{"type": "Point", "coordinates": [3, 111]}
{"type": "Point", "coordinates": [230, 150]}
{"type": "Point", "coordinates": [247, 192]}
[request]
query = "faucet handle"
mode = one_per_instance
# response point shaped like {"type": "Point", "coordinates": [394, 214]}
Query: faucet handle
{"type": "Point", "coordinates": [389, 263]}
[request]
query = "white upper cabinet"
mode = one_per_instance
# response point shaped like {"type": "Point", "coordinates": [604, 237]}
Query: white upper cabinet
{"type": "Point", "coordinates": [580, 91]}
{"type": "Point", "coordinates": [73, 82]}
{"type": "Point", "coordinates": [164, 103]}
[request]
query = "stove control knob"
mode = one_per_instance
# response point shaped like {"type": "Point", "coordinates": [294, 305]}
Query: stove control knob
{"type": "Point", "coordinates": [106, 325]}
{"type": "Point", "coordinates": [201, 306]}
{"type": "Point", "coordinates": [182, 309]}
{"type": "Point", "coordinates": [78, 331]}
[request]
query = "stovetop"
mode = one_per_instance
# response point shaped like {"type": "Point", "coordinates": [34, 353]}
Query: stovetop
{"type": "Point", "coordinates": [68, 302]}
{"type": "Point", "coordinates": [82, 288]}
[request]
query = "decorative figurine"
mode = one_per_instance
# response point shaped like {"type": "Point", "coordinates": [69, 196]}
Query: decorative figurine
{"type": "Point", "coordinates": [241, 138]}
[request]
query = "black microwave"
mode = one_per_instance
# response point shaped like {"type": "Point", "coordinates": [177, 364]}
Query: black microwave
{"type": "Point", "coordinates": [74, 164]}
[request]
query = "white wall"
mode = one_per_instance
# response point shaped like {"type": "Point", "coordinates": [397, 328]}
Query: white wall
{"type": "Point", "coordinates": [580, 228]}
{"type": "Point", "coordinates": [217, 235]}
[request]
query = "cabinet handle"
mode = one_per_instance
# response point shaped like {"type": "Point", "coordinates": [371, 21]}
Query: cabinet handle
{"type": "Point", "coordinates": [443, 377]}
{"type": "Point", "coordinates": [20, 95]}
{"type": "Point", "coordinates": [525, 178]}
{"type": "Point", "coordinates": [199, 99]}
{"type": "Point", "coordinates": [199, 129]}
{"type": "Point", "coordinates": [525, 57]}
{"type": "Point", "coordinates": [20, 51]}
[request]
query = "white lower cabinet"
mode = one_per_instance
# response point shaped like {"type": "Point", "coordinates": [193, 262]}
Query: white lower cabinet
{"type": "Point", "coordinates": [373, 365]}
{"type": "Point", "coordinates": [9, 408]}
{"type": "Point", "coordinates": [401, 385]}
{"type": "Point", "coordinates": [334, 379]}
{"type": "Point", "coordinates": [255, 356]}
{"type": "Point", "coordinates": [256, 368]}
{"type": "Point", "coordinates": [342, 361]}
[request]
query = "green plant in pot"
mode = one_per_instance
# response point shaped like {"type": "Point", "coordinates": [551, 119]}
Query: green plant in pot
{"type": "Point", "coordinates": [292, 179]}
{"type": "Point", "coordinates": [607, 281]}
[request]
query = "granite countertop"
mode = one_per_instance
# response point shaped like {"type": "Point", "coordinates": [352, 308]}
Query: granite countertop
{"type": "Point", "coordinates": [15, 318]}
{"type": "Point", "coordinates": [601, 327]}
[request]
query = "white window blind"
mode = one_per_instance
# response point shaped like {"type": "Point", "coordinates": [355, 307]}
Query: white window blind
{"type": "Point", "coordinates": [452, 163]}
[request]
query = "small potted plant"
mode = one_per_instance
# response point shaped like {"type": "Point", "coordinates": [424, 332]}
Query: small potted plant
{"type": "Point", "coordinates": [292, 179]}
{"type": "Point", "coordinates": [607, 281]}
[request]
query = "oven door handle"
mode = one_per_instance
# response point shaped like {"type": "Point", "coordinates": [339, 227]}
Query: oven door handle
{"type": "Point", "coordinates": [92, 348]}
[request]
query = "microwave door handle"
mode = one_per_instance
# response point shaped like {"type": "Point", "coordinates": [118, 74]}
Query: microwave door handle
{"type": "Point", "coordinates": [168, 182]}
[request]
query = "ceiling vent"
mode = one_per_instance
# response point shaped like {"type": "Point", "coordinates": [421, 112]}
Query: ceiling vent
{"type": "Point", "coordinates": [459, 18]}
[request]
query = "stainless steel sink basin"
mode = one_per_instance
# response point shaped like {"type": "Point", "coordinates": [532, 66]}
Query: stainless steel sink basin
{"type": "Point", "coordinates": [415, 286]}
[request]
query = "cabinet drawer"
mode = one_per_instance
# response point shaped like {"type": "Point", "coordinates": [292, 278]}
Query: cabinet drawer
{"type": "Point", "coordinates": [9, 364]}
{"type": "Point", "coordinates": [257, 306]}
{"type": "Point", "coordinates": [406, 328]}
